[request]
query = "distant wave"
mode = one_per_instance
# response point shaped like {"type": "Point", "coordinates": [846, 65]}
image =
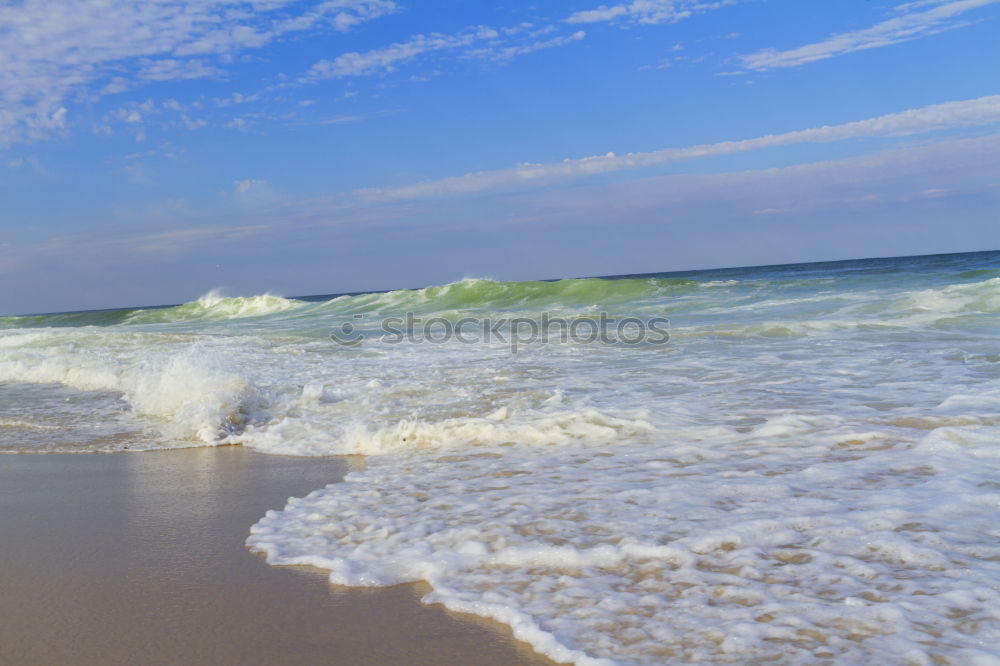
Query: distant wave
{"type": "Point", "coordinates": [214, 306]}
{"type": "Point", "coordinates": [484, 294]}
{"type": "Point", "coordinates": [211, 306]}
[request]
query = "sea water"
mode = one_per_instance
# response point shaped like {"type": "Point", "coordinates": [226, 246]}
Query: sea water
{"type": "Point", "coordinates": [807, 468]}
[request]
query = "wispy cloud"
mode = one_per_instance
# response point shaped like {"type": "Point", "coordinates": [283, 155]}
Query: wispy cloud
{"type": "Point", "coordinates": [238, 123]}
{"type": "Point", "coordinates": [340, 120]}
{"type": "Point", "coordinates": [55, 52]}
{"type": "Point", "coordinates": [170, 69]}
{"type": "Point", "coordinates": [646, 11]}
{"type": "Point", "coordinates": [912, 24]}
{"type": "Point", "coordinates": [484, 42]}
{"type": "Point", "coordinates": [386, 59]}
{"type": "Point", "coordinates": [234, 99]}
{"type": "Point", "coordinates": [974, 112]}
{"type": "Point", "coordinates": [180, 240]}
{"type": "Point", "coordinates": [119, 248]}
{"type": "Point", "coordinates": [253, 192]}
{"type": "Point", "coordinates": [509, 52]}
{"type": "Point", "coordinates": [31, 162]}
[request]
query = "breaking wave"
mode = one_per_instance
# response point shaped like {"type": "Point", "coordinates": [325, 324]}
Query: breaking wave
{"type": "Point", "coordinates": [482, 294]}
{"type": "Point", "coordinates": [214, 306]}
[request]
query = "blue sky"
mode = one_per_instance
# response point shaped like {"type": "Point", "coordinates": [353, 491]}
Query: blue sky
{"type": "Point", "coordinates": [151, 151]}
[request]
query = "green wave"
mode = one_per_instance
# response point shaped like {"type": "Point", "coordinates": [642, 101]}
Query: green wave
{"type": "Point", "coordinates": [67, 319]}
{"type": "Point", "coordinates": [485, 294]}
{"type": "Point", "coordinates": [213, 306]}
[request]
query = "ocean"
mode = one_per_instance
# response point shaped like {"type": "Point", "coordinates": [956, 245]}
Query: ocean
{"type": "Point", "coordinates": [793, 464]}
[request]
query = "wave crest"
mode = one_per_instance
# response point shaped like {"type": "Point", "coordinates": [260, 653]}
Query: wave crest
{"type": "Point", "coordinates": [215, 306]}
{"type": "Point", "coordinates": [190, 394]}
{"type": "Point", "coordinates": [489, 295]}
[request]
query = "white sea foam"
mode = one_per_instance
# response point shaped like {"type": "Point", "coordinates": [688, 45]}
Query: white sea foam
{"type": "Point", "coordinates": [186, 388]}
{"type": "Point", "coordinates": [807, 473]}
{"type": "Point", "coordinates": [319, 436]}
{"type": "Point", "coordinates": [26, 425]}
{"type": "Point", "coordinates": [638, 553]}
{"type": "Point", "coordinates": [783, 502]}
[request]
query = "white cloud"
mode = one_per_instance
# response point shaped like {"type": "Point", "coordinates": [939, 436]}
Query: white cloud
{"type": "Point", "coordinates": [132, 117]}
{"type": "Point", "coordinates": [510, 52]}
{"type": "Point", "coordinates": [169, 69]}
{"type": "Point", "coordinates": [137, 173]}
{"type": "Point", "coordinates": [235, 99]}
{"type": "Point", "coordinates": [911, 25]}
{"type": "Point", "coordinates": [252, 192]}
{"type": "Point", "coordinates": [245, 186]}
{"type": "Point", "coordinates": [598, 15]}
{"type": "Point", "coordinates": [862, 192]}
{"type": "Point", "coordinates": [341, 120]}
{"type": "Point", "coordinates": [180, 240]}
{"type": "Point", "coordinates": [28, 162]}
{"type": "Point", "coordinates": [53, 52]}
{"type": "Point", "coordinates": [974, 112]}
{"type": "Point", "coordinates": [117, 84]}
{"type": "Point", "coordinates": [193, 123]}
{"type": "Point", "coordinates": [646, 11]}
{"type": "Point", "coordinates": [386, 59]}
{"type": "Point", "coordinates": [341, 15]}
{"type": "Point", "coordinates": [170, 242]}
{"type": "Point", "coordinates": [490, 43]}
{"type": "Point", "coordinates": [772, 211]}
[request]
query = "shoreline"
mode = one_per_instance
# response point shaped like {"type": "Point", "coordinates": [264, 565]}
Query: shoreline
{"type": "Point", "coordinates": [140, 557]}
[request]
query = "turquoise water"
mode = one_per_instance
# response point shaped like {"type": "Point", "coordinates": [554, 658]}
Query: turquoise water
{"type": "Point", "coordinates": [807, 469]}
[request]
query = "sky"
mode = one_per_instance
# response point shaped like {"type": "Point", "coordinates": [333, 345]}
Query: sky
{"type": "Point", "coordinates": [152, 151]}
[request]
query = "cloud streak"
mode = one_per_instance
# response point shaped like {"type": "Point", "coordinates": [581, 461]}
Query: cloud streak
{"type": "Point", "coordinates": [911, 25]}
{"type": "Point", "coordinates": [55, 52]}
{"type": "Point", "coordinates": [495, 46]}
{"type": "Point", "coordinates": [511, 52]}
{"type": "Point", "coordinates": [967, 113]}
{"type": "Point", "coordinates": [386, 59]}
{"type": "Point", "coordinates": [647, 12]}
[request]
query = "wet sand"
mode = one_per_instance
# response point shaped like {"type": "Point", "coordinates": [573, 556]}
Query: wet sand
{"type": "Point", "coordinates": [139, 558]}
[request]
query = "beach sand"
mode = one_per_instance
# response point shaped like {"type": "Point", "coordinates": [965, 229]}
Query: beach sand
{"type": "Point", "coordinates": [139, 558]}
